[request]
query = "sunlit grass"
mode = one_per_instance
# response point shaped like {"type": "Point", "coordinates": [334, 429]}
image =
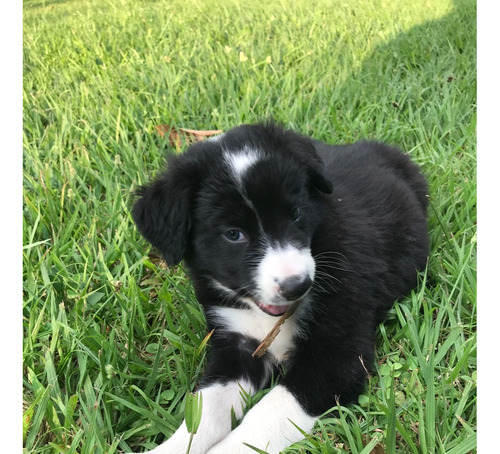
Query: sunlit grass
{"type": "Point", "coordinates": [112, 341]}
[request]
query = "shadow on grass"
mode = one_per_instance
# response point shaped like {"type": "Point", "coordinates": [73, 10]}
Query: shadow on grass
{"type": "Point", "coordinates": [407, 75]}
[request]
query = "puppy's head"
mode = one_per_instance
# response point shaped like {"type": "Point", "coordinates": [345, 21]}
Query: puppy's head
{"type": "Point", "coordinates": [240, 209]}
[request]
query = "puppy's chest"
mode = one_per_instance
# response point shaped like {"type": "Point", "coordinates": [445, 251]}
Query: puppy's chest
{"type": "Point", "coordinates": [256, 325]}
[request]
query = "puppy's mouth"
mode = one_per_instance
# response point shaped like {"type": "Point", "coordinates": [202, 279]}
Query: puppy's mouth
{"type": "Point", "coordinates": [272, 309]}
{"type": "Point", "coordinates": [290, 291]}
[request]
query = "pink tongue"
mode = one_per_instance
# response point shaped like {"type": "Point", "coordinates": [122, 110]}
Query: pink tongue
{"type": "Point", "coordinates": [273, 309]}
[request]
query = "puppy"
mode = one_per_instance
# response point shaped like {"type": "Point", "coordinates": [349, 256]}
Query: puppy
{"type": "Point", "coordinates": [269, 221]}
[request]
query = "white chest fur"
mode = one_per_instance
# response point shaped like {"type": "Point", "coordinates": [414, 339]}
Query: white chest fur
{"type": "Point", "coordinates": [256, 324]}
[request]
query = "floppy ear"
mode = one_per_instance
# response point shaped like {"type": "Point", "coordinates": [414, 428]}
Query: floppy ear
{"type": "Point", "coordinates": [319, 181]}
{"type": "Point", "coordinates": [162, 213]}
{"type": "Point", "coordinates": [303, 148]}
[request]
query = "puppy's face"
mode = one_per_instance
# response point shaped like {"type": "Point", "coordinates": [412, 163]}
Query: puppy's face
{"type": "Point", "coordinates": [240, 211]}
{"type": "Point", "coordinates": [252, 231]}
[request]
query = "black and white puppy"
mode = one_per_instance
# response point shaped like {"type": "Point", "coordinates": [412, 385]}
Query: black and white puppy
{"type": "Point", "coordinates": [265, 218]}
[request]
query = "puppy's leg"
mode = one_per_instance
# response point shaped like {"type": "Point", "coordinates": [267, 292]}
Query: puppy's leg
{"type": "Point", "coordinates": [218, 401]}
{"type": "Point", "coordinates": [230, 372]}
{"type": "Point", "coordinates": [320, 377]}
{"type": "Point", "coordinates": [271, 425]}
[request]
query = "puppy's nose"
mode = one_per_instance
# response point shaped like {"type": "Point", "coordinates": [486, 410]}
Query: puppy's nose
{"type": "Point", "coordinates": [295, 287]}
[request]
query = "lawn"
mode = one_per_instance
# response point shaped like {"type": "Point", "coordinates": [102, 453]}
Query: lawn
{"type": "Point", "coordinates": [112, 339]}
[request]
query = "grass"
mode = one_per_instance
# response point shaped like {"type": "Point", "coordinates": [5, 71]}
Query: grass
{"type": "Point", "coordinates": [112, 341]}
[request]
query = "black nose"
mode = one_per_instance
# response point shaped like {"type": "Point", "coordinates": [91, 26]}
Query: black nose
{"type": "Point", "coordinates": [295, 287]}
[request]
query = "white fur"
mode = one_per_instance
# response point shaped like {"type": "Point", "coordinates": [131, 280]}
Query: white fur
{"type": "Point", "coordinates": [239, 162]}
{"type": "Point", "coordinates": [256, 324]}
{"type": "Point", "coordinates": [215, 424]}
{"type": "Point", "coordinates": [278, 264]}
{"type": "Point", "coordinates": [270, 425]}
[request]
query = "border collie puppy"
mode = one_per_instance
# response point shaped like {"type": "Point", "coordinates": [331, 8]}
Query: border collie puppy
{"type": "Point", "coordinates": [265, 220]}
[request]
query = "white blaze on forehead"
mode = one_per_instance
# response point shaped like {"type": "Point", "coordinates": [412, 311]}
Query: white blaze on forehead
{"type": "Point", "coordinates": [280, 263]}
{"type": "Point", "coordinates": [240, 161]}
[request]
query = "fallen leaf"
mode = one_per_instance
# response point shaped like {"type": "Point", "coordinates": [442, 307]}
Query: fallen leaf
{"type": "Point", "coordinates": [179, 137]}
{"type": "Point", "coordinates": [377, 449]}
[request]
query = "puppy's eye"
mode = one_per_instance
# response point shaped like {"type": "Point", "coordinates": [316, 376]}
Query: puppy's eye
{"type": "Point", "coordinates": [296, 214]}
{"type": "Point", "coordinates": [234, 235]}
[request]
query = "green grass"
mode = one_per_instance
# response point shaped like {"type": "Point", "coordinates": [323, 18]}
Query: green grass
{"type": "Point", "coordinates": [112, 341]}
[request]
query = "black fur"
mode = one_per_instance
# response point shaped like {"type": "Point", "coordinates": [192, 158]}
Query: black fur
{"type": "Point", "coordinates": [363, 215]}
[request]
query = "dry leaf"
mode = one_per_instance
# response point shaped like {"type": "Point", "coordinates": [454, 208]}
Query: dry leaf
{"type": "Point", "coordinates": [377, 449]}
{"type": "Point", "coordinates": [179, 137]}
